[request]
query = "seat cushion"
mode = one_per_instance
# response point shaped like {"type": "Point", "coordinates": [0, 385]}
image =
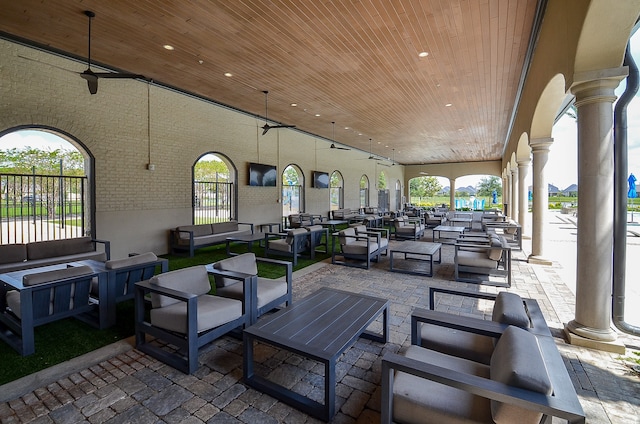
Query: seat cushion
{"type": "Point", "coordinates": [415, 399]}
{"type": "Point", "coordinates": [280, 245]}
{"type": "Point", "coordinates": [245, 263]}
{"type": "Point", "coordinates": [213, 311]}
{"type": "Point", "coordinates": [194, 280]}
{"type": "Point", "coordinates": [509, 309]}
{"type": "Point", "coordinates": [517, 361]}
{"type": "Point", "coordinates": [359, 248]}
{"type": "Point", "coordinates": [131, 261]}
{"type": "Point", "coordinates": [475, 259]}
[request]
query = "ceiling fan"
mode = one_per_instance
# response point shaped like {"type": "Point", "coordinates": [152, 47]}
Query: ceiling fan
{"type": "Point", "coordinates": [371, 155]}
{"type": "Point", "coordinates": [266, 127]}
{"type": "Point", "coordinates": [333, 145]}
{"type": "Point", "coordinates": [92, 77]}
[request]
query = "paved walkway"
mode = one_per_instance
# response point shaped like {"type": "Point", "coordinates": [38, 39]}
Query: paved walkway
{"type": "Point", "coordinates": [118, 384]}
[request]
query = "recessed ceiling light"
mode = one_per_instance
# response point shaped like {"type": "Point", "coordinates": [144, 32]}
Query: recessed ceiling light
{"type": "Point", "coordinates": [346, 128]}
{"type": "Point", "coordinates": [294, 104]}
{"type": "Point", "coordinates": [386, 146]}
{"type": "Point", "coordinates": [379, 142]}
{"type": "Point", "coordinates": [228, 74]}
{"type": "Point", "coordinates": [201, 61]}
{"type": "Point", "coordinates": [317, 114]}
{"type": "Point", "coordinates": [423, 54]}
{"type": "Point", "coordinates": [448, 105]}
{"type": "Point", "coordinates": [168, 47]}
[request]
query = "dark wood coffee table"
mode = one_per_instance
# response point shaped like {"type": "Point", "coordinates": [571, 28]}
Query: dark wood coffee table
{"type": "Point", "coordinates": [420, 251]}
{"type": "Point", "coordinates": [248, 239]}
{"type": "Point", "coordinates": [321, 327]}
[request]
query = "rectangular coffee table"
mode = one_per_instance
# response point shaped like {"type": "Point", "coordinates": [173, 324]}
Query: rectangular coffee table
{"type": "Point", "coordinates": [416, 248]}
{"type": "Point", "coordinates": [320, 327]}
{"type": "Point", "coordinates": [248, 239]}
{"type": "Point", "coordinates": [447, 229]}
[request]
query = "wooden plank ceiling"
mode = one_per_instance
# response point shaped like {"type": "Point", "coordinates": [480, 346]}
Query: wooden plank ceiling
{"type": "Point", "coordinates": [353, 62]}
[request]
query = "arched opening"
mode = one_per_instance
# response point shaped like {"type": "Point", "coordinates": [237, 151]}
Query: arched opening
{"type": "Point", "coordinates": [336, 191]}
{"type": "Point", "coordinates": [364, 191]}
{"type": "Point", "coordinates": [292, 190]}
{"type": "Point", "coordinates": [45, 187]}
{"type": "Point", "coordinates": [215, 191]}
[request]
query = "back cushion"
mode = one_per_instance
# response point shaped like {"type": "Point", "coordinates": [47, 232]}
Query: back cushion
{"type": "Point", "coordinates": [360, 229]}
{"type": "Point", "coordinates": [194, 280]}
{"type": "Point", "coordinates": [315, 228]}
{"type": "Point", "coordinates": [131, 261]}
{"type": "Point", "coordinates": [10, 253]}
{"type": "Point", "coordinates": [517, 361]}
{"type": "Point", "coordinates": [55, 275]}
{"type": "Point", "coordinates": [224, 227]}
{"type": "Point", "coordinates": [292, 233]}
{"type": "Point", "coordinates": [198, 230]}
{"type": "Point", "coordinates": [52, 248]}
{"type": "Point", "coordinates": [509, 309]}
{"type": "Point", "coordinates": [347, 232]}
{"type": "Point", "coordinates": [245, 263]}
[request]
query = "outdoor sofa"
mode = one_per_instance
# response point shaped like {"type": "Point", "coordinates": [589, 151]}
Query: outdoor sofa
{"type": "Point", "coordinates": [191, 237]}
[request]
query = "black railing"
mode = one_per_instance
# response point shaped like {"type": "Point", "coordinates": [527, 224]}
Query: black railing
{"type": "Point", "coordinates": [212, 202]}
{"type": "Point", "coordinates": [41, 207]}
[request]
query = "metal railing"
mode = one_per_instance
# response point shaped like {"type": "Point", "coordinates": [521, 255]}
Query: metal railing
{"type": "Point", "coordinates": [41, 207]}
{"type": "Point", "coordinates": [212, 202]}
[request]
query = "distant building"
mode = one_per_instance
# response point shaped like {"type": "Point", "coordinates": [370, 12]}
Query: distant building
{"type": "Point", "coordinates": [571, 191]}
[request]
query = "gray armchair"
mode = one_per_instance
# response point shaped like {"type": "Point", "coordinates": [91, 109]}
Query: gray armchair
{"type": "Point", "coordinates": [292, 243]}
{"type": "Point", "coordinates": [184, 315]}
{"type": "Point", "coordinates": [406, 228]}
{"type": "Point", "coordinates": [472, 262]}
{"type": "Point", "coordinates": [354, 247]}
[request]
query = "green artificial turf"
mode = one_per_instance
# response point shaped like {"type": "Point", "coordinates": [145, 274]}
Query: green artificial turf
{"type": "Point", "coordinates": [66, 339]}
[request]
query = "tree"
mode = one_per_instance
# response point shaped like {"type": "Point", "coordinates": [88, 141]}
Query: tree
{"type": "Point", "coordinates": [424, 187]}
{"type": "Point", "coordinates": [45, 162]}
{"type": "Point", "coordinates": [487, 185]}
{"type": "Point", "coordinates": [210, 168]}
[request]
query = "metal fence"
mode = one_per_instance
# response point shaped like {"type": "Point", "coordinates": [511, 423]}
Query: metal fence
{"type": "Point", "coordinates": [41, 207]}
{"type": "Point", "coordinates": [212, 202]}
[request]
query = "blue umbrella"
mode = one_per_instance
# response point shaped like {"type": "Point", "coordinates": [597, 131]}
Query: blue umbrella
{"type": "Point", "coordinates": [632, 187]}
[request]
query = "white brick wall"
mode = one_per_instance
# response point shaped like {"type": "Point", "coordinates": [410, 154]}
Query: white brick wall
{"type": "Point", "coordinates": [136, 207]}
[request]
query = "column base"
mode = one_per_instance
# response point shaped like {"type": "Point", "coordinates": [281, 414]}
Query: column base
{"type": "Point", "coordinates": [538, 260]}
{"type": "Point", "coordinates": [593, 338]}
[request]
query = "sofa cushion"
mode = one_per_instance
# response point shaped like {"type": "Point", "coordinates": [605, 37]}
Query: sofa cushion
{"type": "Point", "coordinates": [517, 361]}
{"type": "Point", "coordinates": [416, 400]}
{"type": "Point", "coordinates": [194, 280]}
{"type": "Point", "coordinates": [509, 309]}
{"type": "Point", "coordinates": [52, 248]}
{"type": "Point", "coordinates": [474, 259]}
{"type": "Point", "coordinates": [224, 227]}
{"type": "Point", "coordinates": [495, 252]}
{"type": "Point", "coordinates": [245, 263]}
{"type": "Point", "coordinates": [198, 230]}
{"type": "Point", "coordinates": [10, 253]}
{"type": "Point", "coordinates": [131, 261]}
{"type": "Point", "coordinates": [347, 236]}
{"type": "Point", "coordinates": [463, 344]}
{"type": "Point", "coordinates": [55, 275]}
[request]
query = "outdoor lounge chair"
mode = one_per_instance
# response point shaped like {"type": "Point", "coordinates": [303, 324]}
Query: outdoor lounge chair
{"type": "Point", "coordinates": [406, 228]}
{"type": "Point", "coordinates": [265, 295]}
{"type": "Point", "coordinates": [353, 247]}
{"type": "Point", "coordinates": [439, 331]}
{"type": "Point", "coordinates": [481, 260]}
{"type": "Point", "coordinates": [292, 243]}
{"type": "Point", "coordinates": [378, 235]}
{"type": "Point", "coordinates": [184, 315]}
{"type": "Point", "coordinates": [45, 297]}
{"type": "Point", "coordinates": [525, 382]}
{"type": "Point", "coordinates": [318, 240]}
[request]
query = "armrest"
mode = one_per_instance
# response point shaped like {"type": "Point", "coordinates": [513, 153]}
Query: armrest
{"type": "Point", "coordinates": [463, 293]}
{"type": "Point", "coordinates": [165, 291]}
{"type": "Point", "coordinates": [288, 266]}
{"type": "Point", "coordinates": [382, 232]}
{"type": "Point", "coordinates": [106, 244]}
{"type": "Point", "coordinates": [456, 322]}
{"type": "Point", "coordinates": [250, 224]}
{"type": "Point", "coordinates": [552, 405]}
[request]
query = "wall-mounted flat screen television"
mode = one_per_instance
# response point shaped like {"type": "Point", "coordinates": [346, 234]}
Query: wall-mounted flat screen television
{"type": "Point", "coordinates": [320, 179]}
{"type": "Point", "coordinates": [262, 175]}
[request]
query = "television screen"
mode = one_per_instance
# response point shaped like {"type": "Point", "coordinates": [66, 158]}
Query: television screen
{"type": "Point", "coordinates": [320, 179]}
{"type": "Point", "coordinates": [262, 175]}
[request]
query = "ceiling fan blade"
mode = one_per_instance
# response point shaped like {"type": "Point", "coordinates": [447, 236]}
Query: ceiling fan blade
{"type": "Point", "coordinates": [265, 128]}
{"type": "Point", "coordinates": [92, 80]}
{"type": "Point", "coordinates": [333, 146]}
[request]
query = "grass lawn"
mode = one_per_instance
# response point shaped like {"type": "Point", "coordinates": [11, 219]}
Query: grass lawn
{"type": "Point", "coordinates": [63, 340]}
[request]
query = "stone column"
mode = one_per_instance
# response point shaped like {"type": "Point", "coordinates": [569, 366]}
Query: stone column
{"type": "Point", "coordinates": [452, 194]}
{"type": "Point", "coordinates": [514, 194]}
{"type": "Point", "coordinates": [523, 198]}
{"type": "Point", "coordinates": [594, 100]}
{"type": "Point", "coordinates": [540, 149]}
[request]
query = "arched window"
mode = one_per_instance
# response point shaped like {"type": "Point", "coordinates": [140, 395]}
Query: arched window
{"type": "Point", "coordinates": [383, 193]}
{"type": "Point", "coordinates": [364, 191]}
{"type": "Point", "coordinates": [45, 186]}
{"type": "Point", "coordinates": [215, 192]}
{"type": "Point", "coordinates": [336, 194]}
{"type": "Point", "coordinates": [292, 190]}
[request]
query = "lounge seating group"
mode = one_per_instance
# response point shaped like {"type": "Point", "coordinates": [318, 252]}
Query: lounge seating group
{"type": "Point", "coordinates": [408, 228]}
{"type": "Point", "coordinates": [523, 380]}
{"type": "Point", "coordinates": [191, 237]}
{"type": "Point", "coordinates": [16, 257]}
{"type": "Point", "coordinates": [344, 214]}
{"type": "Point", "coordinates": [358, 247]}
